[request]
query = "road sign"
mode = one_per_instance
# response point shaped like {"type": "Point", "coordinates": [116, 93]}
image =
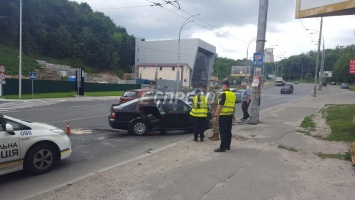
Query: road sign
{"type": "Point", "coordinates": [2, 76]}
{"type": "Point", "coordinates": [2, 69]}
{"type": "Point", "coordinates": [258, 59]}
{"type": "Point", "coordinates": [33, 75]}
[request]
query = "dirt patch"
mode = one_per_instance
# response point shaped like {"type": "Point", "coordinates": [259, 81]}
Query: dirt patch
{"type": "Point", "coordinates": [322, 128]}
{"type": "Point", "coordinates": [104, 77]}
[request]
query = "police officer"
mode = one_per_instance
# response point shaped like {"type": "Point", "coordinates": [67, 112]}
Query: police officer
{"type": "Point", "coordinates": [225, 115]}
{"type": "Point", "coordinates": [199, 112]}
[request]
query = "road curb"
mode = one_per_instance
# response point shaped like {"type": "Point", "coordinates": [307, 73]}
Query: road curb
{"type": "Point", "coordinates": [352, 147]}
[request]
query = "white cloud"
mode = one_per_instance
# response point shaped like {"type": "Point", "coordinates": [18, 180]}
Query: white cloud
{"type": "Point", "coordinates": [234, 24]}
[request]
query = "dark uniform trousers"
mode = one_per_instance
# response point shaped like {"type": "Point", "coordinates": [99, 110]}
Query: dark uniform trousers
{"type": "Point", "coordinates": [225, 128]}
{"type": "Point", "coordinates": [200, 127]}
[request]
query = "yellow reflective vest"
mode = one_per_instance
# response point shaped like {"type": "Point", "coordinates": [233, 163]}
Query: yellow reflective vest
{"type": "Point", "coordinates": [229, 104]}
{"type": "Point", "coordinates": [203, 110]}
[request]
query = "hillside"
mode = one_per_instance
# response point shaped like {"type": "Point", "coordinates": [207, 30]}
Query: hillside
{"type": "Point", "coordinates": [68, 31]}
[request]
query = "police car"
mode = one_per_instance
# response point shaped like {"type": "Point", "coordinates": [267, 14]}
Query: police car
{"type": "Point", "coordinates": [32, 146]}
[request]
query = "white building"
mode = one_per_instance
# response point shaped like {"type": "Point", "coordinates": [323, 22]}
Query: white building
{"type": "Point", "coordinates": [195, 53]}
{"type": "Point", "coordinates": [269, 55]}
{"type": "Point", "coordinates": [166, 71]}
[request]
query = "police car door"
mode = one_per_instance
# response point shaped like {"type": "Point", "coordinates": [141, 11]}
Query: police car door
{"type": "Point", "coordinates": [9, 148]}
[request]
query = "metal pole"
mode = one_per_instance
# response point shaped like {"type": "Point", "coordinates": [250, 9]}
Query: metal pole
{"type": "Point", "coordinates": [302, 74]}
{"type": "Point", "coordinates": [32, 88]}
{"type": "Point", "coordinates": [260, 43]}
{"type": "Point", "coordinates": [317, 62]}
{"type": "Point", "coordinates": [20, 59]}
{"type": "Point", "coordinates": [322, 67]}
{"type": "Point", "coordinates": [178, 70]}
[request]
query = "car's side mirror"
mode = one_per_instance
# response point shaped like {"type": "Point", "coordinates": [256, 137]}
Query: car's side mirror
{"type": "Point", "coordinates": [9, 128]}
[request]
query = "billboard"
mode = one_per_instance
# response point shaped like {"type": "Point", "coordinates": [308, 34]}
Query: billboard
{"type": "Point", "coordinates": [319, 8]}
{"type": "Point", "coordinates": [240, 71]}
{"type": "Point", "coordinates": [352, 66]}
{"type": "Point", "coordinates": [326, 74]}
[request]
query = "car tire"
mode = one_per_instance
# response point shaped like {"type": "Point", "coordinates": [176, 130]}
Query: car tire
{"type": "Point", "coordinates": [139, 127]}
{"type": "Point", "coordinates": [40, 159]}
{"type": "Point", "coordinates": [281, 92]}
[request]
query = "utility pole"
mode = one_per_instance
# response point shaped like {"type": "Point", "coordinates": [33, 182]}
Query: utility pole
{"type": "Point", "coordinates": [20, 57]}
{"type": "Point", "coordinates": [260, 43]}
{"type": "Point", "coordinates": [317, 62]}
{"type": "Point", "coordinates": [321, 79]}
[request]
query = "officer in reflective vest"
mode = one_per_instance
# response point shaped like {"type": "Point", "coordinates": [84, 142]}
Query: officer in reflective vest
{"type": "Point", "coordinates": [225, 115]}
{"type": "Point", "coordinates": [199, 112]}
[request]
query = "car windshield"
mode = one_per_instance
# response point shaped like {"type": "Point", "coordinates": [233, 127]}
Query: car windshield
{"type": "Point", "coordinates": [130, 94]}
{"type": "Point", "coordinates": [286, 87]}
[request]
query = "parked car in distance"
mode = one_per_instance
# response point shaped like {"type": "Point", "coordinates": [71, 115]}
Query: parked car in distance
{"type": "Point", "coordinates": [287, 89]}
{"type": "Point", "coordinates": [32, 146]}
{"type": "Point", "coordinates": [344, 86]}
{"type": "Point", "coordinates": [333, 83]}
{"type": "Point", "coordinates": [296, 82]}
{"type": "Point", "coordinates": [238, 94]}
{"type": "Point", "coordinates": [324, 84]}
{"type": "Point", "coordinates": [137, 93]}
{"type": "Point", "coordinates": [141, 115]}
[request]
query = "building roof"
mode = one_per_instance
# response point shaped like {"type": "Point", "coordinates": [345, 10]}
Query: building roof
{"type": "Point", "coordinates": [162, 65]}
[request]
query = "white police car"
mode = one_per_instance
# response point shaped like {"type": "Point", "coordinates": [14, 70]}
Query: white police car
{"type": "Point", "coordinates": [32, 146]}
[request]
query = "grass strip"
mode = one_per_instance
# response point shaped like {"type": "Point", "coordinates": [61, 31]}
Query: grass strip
{"type": "Point", "coordinates": [308, 123]}
{"type": "Point", "coordinates": [287, 148]}
{"type": "Point", "coordinates": [339, 118]}
{"type": "Point", "coordinates": [346, 156]}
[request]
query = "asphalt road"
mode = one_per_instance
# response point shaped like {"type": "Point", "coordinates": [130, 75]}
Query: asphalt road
{"type": "Point", "coordinates": [101, 150]}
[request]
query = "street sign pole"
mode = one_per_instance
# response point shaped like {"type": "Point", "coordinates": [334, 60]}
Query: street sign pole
{"type": "Point", "coordinates": [32, 88]}
{"type": "Point", "coordinates": [32, 77]}
{"type": "Point", "coordinates": [260, 42]}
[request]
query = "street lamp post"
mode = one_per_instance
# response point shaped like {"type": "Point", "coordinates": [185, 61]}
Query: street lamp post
{"type": "Point", "coordinates": [271, 47]}
{"type": "Point", "coordinates": [247, 58]}
{"type": "Point", "coordinates": [322, 62]}
{"type": "Point", "coordinates": [275, 62]}
{"type": "Point", "coordinates": [20, 56]}
{"type": "Point", "coordinates": [317, 62]}
{"type": "Point", "coordinates": [178, 67]}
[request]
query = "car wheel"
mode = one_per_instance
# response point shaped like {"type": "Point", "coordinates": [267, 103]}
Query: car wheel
{"type": "Point", "coordinates": [281, 92]}
{"type": "Point", "coordinates": [40, 159]}
{"type": "Point", "coordinates": [139, 128]}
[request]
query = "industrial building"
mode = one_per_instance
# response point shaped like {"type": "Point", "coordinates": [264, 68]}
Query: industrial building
{"type": "Point", "coordinates": [157, 56]}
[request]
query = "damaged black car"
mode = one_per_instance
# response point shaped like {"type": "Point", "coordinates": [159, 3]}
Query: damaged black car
{"type": "Point", "coordinates": [139, 116]}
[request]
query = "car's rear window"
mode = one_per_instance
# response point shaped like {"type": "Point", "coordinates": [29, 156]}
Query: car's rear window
{"type": "Point", "coordinates": [130, 94]}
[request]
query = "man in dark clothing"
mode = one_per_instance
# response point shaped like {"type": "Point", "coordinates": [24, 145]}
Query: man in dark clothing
{"type": "Point", "coordinates": [225, 114]}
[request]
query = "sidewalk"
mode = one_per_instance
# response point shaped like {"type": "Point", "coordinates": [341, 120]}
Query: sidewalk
{"type": "Point", "coordinates": [255, 167]}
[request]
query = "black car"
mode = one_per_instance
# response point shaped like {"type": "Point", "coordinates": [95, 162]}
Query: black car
{"type": "Point", "coordinates": [287, 89]}
{"type": "Point", "coordinates": [145, 114]}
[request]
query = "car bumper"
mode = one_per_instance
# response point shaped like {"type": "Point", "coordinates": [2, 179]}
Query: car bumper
{"type": "Point", "coordinates": [118, 124]}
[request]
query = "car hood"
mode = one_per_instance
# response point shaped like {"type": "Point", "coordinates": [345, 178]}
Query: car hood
{"type": "Point", "coordinates": [39, 125]}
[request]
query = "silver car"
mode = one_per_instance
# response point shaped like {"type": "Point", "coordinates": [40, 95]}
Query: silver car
{"type": "Point", "coordinates": [238, 94]}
